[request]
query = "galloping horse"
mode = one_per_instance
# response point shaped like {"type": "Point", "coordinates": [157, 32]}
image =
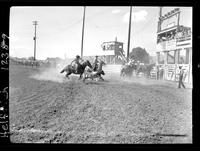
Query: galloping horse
{"type": "Point", "coordinates": [69, 69]}
{"type": "Point", "coordinates": [94, 74]}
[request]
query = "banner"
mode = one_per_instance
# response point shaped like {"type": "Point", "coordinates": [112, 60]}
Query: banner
{"type": "Point", "coordinates": [170, 72]}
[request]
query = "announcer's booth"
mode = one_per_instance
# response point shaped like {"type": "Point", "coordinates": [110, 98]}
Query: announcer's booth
{"type": "Point", "coordinates": [174, 47]}
{"type": "Point", "coordinates": [113, 52]}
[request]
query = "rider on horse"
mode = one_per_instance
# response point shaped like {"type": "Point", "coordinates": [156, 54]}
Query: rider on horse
{"type": "Point", "coordinates": [95, 64]}
{"type": "Point", "coordinates": [77, 63]}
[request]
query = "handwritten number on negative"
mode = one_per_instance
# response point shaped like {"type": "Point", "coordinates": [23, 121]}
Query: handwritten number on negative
{"type": "Point", "coordinates": [5, 61]}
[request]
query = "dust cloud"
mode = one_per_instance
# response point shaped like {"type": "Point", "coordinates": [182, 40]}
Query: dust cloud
{"type": "Point", "coordinates": [52, 73]}
{"type": "Point", "coordinates": [49, 74]}
{"type": "Point", "coordinates": [112, 74]}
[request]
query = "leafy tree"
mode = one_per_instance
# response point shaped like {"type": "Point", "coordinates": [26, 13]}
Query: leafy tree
{"type": "Point", "coordinates": [140, 54]}
{"type": "Point", "coordinates": [31, 58]}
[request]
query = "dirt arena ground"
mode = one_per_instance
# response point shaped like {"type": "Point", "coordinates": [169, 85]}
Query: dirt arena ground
{"type": "Point", "coordinates": [44, 107]}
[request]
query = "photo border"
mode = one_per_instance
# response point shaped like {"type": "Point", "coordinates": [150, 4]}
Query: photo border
{"type": "Point", "coordinates": [4, 53]}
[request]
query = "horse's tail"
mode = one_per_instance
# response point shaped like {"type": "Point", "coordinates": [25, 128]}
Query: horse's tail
{"type": "Point", "coordinates": [63, 70]}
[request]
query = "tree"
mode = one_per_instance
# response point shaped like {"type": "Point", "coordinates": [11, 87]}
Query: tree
{"type": "Point", "coordinates": [31, 58]}
{"type": "Point", "coordinates": [140, 54]}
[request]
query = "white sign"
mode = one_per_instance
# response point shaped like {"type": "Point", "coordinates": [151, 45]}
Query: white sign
{"type": "Point", "coordinates": [171, 44]}
{"type": "Point", "coordinates": [107, 46]}
{"type": "Point", "coordinates": [170, 22]}
{"type": "Point", "coordinates": [170, 72]}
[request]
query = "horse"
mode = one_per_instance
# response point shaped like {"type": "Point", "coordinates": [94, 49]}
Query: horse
{"type": "Point", "coordinates": [69, 69]}
{"type": "Point", "coordinates": [88, 73]}
{"type": "Point", "coordinates": [127, 70]}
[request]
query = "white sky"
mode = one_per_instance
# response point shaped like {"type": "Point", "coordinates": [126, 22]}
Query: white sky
{"type": "Point", "coordinates": [59, 29]}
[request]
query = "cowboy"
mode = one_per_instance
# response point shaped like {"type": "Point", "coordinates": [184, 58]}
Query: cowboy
{"type": "Point", "coordinates": [95, 64]}
{"type": "Point", "coordinates": [181, 72]}
{"type": "Point", "coordinates": [77, 63]}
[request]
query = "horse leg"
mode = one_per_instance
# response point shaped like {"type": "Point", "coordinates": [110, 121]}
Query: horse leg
{"type": "Point", "coordinates": [121, 73]}
{"type": "Point", "coordinates": [101, 78]}
{"type": "Point", "coordinates": [67, 75]}
{"type": "Point", "coordinates": [84, 78]}
{"type": "Point", "coordinates": [80, 76]}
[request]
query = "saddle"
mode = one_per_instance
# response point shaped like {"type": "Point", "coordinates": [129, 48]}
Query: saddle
{"type": "Point", "coordinates": [75, 67]}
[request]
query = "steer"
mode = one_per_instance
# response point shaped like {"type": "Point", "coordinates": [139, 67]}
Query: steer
{"type": "Point", "coordinates": [88, 73]}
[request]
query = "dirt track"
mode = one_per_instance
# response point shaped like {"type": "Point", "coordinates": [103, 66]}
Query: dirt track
{"type": "Point", "coordinates": [114, 111]}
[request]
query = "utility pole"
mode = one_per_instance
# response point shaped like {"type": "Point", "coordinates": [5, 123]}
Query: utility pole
{"type": "Point", "coordinates": [34, 38]}
{"type": "Point", "coordinates": [129, 33]}
{"type": "Point", "coordinates": [83, 32]}
{"type": "Point", "coordinates": [160, 20]}
{"type": "Point", "coordinates": [178, 19]}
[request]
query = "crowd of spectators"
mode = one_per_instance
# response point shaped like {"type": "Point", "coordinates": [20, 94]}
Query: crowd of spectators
{"type": "Point", "coordinates": [166, 36]}
{"type": "Point", "coordinates": [181, 32]}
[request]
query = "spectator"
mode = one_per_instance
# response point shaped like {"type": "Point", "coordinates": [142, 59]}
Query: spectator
{"type": "Point", "coordinates": [181, 72]}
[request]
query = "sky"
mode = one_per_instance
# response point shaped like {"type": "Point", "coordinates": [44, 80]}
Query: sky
{"type": "Point", "coordinates": [59, 29]}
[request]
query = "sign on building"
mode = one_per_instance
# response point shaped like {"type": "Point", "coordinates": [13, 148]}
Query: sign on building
{"type": "Point", "coordinates": [171, 44]}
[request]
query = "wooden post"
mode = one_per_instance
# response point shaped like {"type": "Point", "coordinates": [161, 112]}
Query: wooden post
{"type": "Point", "coordinates": [83, 33]}
{"type": "Point", "coordinates": [160, 20]}
{"type": "Point", "coordinates": [129, 33]}
{"type": "Point", "coordinates": [35, 23]}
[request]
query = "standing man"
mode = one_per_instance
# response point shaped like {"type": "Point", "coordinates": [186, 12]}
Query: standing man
{"type": "Point", "coordinates": [181, 72]}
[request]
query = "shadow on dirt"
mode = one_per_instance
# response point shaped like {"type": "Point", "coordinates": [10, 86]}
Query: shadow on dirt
{"type": "Point", "coordinates": [172, 135]}
{"type": "Point", "coordinates": [97, 82]}
{"type": "Point", "coordinates": [93, 83]}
